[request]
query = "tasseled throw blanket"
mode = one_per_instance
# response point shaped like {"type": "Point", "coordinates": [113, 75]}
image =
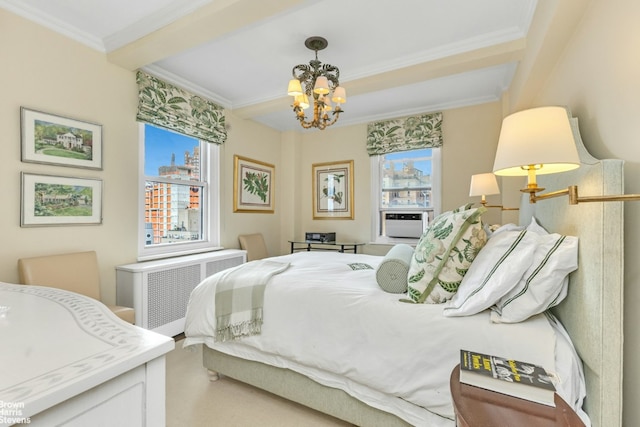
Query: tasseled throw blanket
{"type": "Point", "coordinates": [240, 296]}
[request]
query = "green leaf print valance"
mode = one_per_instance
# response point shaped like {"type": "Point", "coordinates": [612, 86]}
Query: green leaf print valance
{"type": "Point", "coordinates": [165, 105]}
{"type": "Point", "coordinates": [409, 133]}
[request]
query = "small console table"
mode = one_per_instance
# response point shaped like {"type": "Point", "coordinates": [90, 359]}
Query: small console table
{"type": "Point", "coordinates": [475, 406]}
{"type": "Point", "coordinates": [308, 245]}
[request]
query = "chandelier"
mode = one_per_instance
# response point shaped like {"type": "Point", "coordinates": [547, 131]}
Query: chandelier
{"type": "Point", "coordinates": [318, 83]}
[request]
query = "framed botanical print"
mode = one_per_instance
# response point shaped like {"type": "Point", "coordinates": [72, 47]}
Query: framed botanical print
{"type": "Point", "coordinates": [49, 200]}
{"type": "Point", "coordinates": [333, 190]}
{"type": "Point", "coordinates": [253, 185]}
{"type": "Point", "coordinates": [61, 141]}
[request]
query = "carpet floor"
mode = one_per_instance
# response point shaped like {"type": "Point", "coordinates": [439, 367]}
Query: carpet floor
{"type": "Point", "coordinates": [194, 401]}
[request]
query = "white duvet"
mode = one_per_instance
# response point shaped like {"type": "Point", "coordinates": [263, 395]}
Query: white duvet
{"type": "Point", "coordinates": [334, 324]}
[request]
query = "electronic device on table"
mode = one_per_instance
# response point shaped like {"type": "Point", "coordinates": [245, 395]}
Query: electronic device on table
{"type": "Point", "coordinates": [320, 237]}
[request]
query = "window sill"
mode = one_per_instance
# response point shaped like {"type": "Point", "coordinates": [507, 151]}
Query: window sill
{"type": "Point", "coordinates": [173, 254]}
{"type": "Point", "coordinates": [383, 240]}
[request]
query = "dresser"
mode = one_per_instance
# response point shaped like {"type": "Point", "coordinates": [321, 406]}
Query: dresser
{"type": "Point", "coordinates": [66, 360]}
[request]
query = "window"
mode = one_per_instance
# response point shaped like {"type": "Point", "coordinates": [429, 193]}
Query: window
{"type": "Point", "coordinates": [178, 194]}
{"type": "Point", "coordinates": [405, 193]}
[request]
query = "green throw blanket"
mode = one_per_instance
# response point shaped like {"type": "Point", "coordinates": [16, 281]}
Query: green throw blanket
{"type": "Point", "coordinates": [239, 298]}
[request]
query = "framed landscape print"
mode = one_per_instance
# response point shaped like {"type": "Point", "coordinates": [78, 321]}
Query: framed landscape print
{"type": "Point", "coordinates": [333, 190]}
{"type": "Point", "coordinates": [56, 140]}
{"type": "Point", "coordinates": [49, 200]}
{"type": "Point", "coordinates": [253, 185]}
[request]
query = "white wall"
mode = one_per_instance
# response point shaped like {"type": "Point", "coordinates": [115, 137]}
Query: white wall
{"type": "Point", "coordinates": [598, 77]}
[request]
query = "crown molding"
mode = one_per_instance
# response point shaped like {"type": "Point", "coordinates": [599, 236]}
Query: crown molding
{"type": "Point", "coordinates": [48, 21]}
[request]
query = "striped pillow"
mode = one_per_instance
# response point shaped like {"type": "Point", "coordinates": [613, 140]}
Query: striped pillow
{"type": "Point", "coordinates": [544, 284]}
{"type": "Point", "coordinates": [496, 270]}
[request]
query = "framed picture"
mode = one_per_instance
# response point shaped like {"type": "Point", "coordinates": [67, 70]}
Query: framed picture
{"type": "Point", "coordinates": [253, 185]}
{"type": "Point", "coordinates": [49, 200]}
{"type": "Point", "coordinates": [333, 190]}
{"type": "Point", "coordinates": [60, 141]}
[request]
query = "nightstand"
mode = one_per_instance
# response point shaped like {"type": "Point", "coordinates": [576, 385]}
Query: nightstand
{"type": "Point", "coordinates": [478, 407]}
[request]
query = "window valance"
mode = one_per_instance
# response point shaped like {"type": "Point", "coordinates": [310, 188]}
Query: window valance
{"type": "Point", "coordinates": [162, 104]}
{"type": "Point", "coordinates": [409, 133]}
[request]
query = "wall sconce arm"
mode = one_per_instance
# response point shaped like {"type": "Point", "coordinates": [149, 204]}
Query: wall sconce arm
{"type": "Point", "coordinates": [484, 204]}
{"type": "Point", "coordinates": [574, 199]}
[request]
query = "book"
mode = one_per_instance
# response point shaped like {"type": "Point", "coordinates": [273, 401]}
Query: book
{"type": "Point", "coordinates": [507, 376]}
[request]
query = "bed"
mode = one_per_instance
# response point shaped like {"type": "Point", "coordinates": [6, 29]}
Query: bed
{"type": "Point", "coordinates": [375, 362]}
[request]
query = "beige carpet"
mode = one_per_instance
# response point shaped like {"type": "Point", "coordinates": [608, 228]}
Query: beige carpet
{"type": "Point", "coordinates": [193, 400]}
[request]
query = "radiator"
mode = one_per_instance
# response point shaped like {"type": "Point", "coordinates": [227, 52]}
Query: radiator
{"type": "Point", "coordinates": [159, 290]}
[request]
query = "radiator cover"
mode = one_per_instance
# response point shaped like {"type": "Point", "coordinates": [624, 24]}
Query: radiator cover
{"type": "Point", "coordinates": [159, 290]}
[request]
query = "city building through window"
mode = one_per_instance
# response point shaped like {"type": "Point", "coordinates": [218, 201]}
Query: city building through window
{"type": "Point", "coordinates": [177, 193]}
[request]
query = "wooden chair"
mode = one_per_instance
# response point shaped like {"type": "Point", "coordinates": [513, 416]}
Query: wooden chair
{"type": "Point", "coordinates": [254, 245]}
{"type": "Point", "coordinates": [75, 272]}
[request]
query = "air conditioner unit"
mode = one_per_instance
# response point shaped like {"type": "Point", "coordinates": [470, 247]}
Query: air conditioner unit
{"type": "Point", "coordinates": [404, 224]}
{"type": "Point", "coordinates": [159, 290]}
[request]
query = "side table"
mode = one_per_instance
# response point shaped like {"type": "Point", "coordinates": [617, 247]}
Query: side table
{"type": "Point", "coordinates": [478, 407]}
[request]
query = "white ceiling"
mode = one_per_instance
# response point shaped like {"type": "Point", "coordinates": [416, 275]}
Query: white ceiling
{"type": "Point", "coordinates": [396, 57]}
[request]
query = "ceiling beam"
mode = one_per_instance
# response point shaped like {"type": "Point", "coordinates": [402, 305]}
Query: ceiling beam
{"type": "Point", "coordinates": [553, 25]}
{"type": "Point", "coordinates": [209, 22]}
{"type": "Point", "coordinates": [455, 64]}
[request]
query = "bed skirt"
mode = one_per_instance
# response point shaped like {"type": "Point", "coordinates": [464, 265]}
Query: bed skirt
{"type": "Point", "coordinates": [300, 389]}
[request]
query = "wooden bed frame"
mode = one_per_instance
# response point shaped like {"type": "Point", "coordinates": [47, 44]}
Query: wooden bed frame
{"type": "Point", "coordinates": [592, 313]}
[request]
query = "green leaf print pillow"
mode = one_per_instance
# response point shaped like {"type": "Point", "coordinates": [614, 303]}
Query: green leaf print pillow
{"type": "Point", "coordinates": [444, 253]}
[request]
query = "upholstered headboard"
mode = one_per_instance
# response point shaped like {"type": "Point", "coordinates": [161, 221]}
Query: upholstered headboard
{"type": "Point", "coordinates": [593, 309]}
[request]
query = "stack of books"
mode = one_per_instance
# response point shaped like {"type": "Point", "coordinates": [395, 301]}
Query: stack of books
{"type": "Point", "coordinates": [512, 377]}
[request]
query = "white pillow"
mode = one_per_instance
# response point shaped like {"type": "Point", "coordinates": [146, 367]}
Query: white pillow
{"type": "Point", "coordinates": [544, 284]}
{"type": "Point", "coordinates": [494, 272]}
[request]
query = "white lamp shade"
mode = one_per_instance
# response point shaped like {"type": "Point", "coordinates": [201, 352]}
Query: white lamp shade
{"type": "Point", "coordinates": [327, 103]}
{"type": "Point", "coordinates": [539, 136]}
{"type": "Point", "coordinates": [303, 101]}
{"type": "Point", "coordinates": [321, 86]}
{"type": "Point", "coordinates": [339, 95]}
{"type": "Point", "coordinates": [483, 184]}
{"type": "Point", "coordinates": [295, 88]}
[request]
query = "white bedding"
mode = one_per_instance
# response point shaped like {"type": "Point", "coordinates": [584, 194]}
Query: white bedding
{"type": "Point", "coordinates": [336, 325]}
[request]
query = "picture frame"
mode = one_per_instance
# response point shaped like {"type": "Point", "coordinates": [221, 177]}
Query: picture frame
{"type": "Point", "coordinates": [49, 200]}
{"type": "Point", "coordinates": [332, 189]}
{"type": "Point", "coordinates": [253, 185]}
{"type": "Point", "coordinates": [55, 140]}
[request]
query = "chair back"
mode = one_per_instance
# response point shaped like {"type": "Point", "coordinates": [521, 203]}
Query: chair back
{"type": "Point", "coordinates": [254, 245]}
{"type": "Point", "coordinates": [77, 272]}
